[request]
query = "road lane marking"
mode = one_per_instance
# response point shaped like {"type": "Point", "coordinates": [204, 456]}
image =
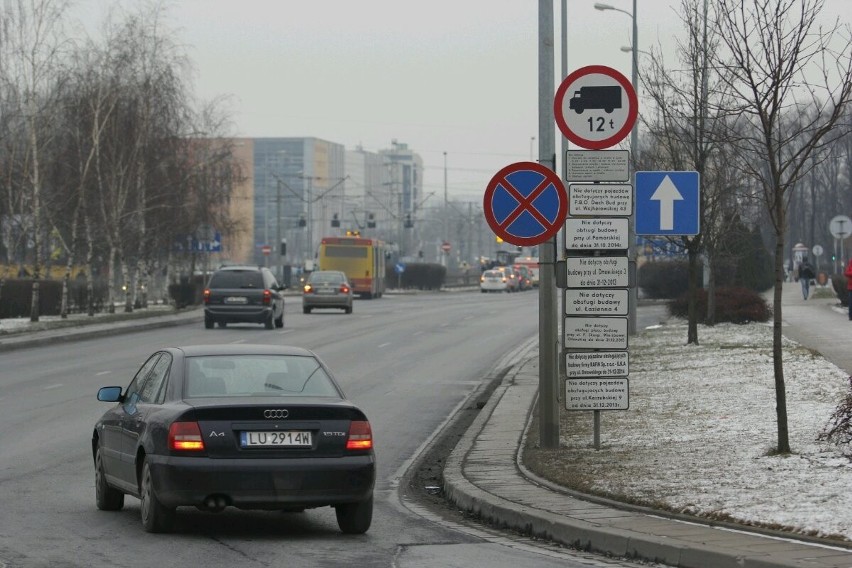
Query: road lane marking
{"type": "Point", "coordinates": [238, 341]}
{"type": "Point", "coordinates": [102, 373]}
{"type": "Point", "coordinates": [51, 387]}
{"type": "Point", "coordinates": [384, 345]}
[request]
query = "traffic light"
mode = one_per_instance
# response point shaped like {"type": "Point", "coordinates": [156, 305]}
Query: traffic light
{"type": "Point", "coordinates": [302, 222]}
{"type": "Point", "coordinates": [335, 222]}
{"type": "Point", "coordinates": [408, 223]}
{"type": "Point", "coordinates": [283, 247]}
{"type": "Point", "coordinates": [371, 221]}
{"type": "Point", "coordinates": [420, 254]}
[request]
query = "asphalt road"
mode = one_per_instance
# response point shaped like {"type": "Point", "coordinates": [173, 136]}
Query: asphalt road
{"type": "Point", "coordinates": [409, 361]}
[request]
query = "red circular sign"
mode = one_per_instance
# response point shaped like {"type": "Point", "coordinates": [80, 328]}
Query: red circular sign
{"type": "Point", "coordinates": [525, 203]}
{"type": "Point", "coordinates": [266, 249]}
{"type": "Point", "coordinates": [597, 89]}
{"type": "Point", "coordinates": [446, 247]}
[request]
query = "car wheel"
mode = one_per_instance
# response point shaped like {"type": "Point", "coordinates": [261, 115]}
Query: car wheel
{"type": "Point", "coordinates": [222, 323]}
{"type": "Point", "coordinates": [208, 322]}
{"type": "Point", "coordinates": [156, 518]}
{"type": "Point", "coordinates": [348, 309]}
{"type": "Point", "coordinates": [279, 321]}
{"type": "Point", "coordinates": [306, 310]}
{"type": "Point", "coordinates": [270, 322]}
{"type": "Point", "coordinates": [106, 497]}
{"type": "Point", "coordinates": [355, 518]}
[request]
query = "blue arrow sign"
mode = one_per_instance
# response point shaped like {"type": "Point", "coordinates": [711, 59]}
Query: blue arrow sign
{"type": "Point", "coordinates": [667, 203]}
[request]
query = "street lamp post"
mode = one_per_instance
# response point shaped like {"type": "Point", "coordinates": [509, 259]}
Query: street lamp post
{"type": "Point", "coordinates": [279, 266]}
{"type": "Point", "coordinates": [631, 234]}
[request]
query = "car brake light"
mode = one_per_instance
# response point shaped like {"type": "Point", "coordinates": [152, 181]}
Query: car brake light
{"type": "Point", "coordinates": [308, 289]}
{"type": "Point", "coordinates": [344, 288]}
{"type": "Point", "coordinates": [267, 297]}
{"type": "Point", "coordinates": [185, 436]}
{"type": "Point", "coordinates": [360, 436]}
{"type": "Point", "coordinates": [207, 296]}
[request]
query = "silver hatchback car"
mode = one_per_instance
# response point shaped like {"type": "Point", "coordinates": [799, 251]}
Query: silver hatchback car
{"type": "Point", "coordinates": [327, 289]}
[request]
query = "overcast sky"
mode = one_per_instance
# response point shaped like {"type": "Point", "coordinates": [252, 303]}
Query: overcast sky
{"type": "Point", "coordinates": [454, 76]}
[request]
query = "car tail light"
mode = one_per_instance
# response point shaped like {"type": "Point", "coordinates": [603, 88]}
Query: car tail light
{"type": "Point", "coordinates": [267, 297]}
{"type": "Point", "coordinates": [309, 289]}
{"type": "Point", "coordinates": [206, 295]}
{"type": "Point", "coordinates": [482, 278]}
{"type": "Point", "coordinates": [344, 288]}
{"type": "Point", "coordinates": [360, 436]}
{"type": "Point", "coordinates": [185, 436]}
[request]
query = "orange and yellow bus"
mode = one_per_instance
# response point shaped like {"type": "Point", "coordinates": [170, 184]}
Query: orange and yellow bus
{"type": "Point", "coordinates": [361, 259]}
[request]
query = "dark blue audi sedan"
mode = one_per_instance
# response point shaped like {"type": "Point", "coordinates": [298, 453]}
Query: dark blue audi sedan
{"type": "Point", "coordinates": [246, 426]}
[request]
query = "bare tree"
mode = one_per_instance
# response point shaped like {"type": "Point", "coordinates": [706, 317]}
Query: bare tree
{"type": "Point", "coordinates": [778, 62]}
{"type": "Point", "coordinates": [688, 132]}
{"type": "Point", "coordinates": [35, 42]}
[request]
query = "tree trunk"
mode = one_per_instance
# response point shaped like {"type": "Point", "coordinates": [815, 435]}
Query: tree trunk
{"type": "Point", "coordinates": [111, 280]}
{"type": "Point", "coordinates": [710, 317]}
{"type": "Point", "coordinates": [777, 337]}
{"type": "Point", "coordinates": [127, 287]}
{"type": "Point", "coordinates": [90, 274]}
{"type": "Point", "coordinates": [692, 308]}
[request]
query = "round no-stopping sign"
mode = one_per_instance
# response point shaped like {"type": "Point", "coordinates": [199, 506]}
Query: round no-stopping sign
{"type": "Point", "coordinates": [525, 203]}
{"type": "Point", "coordinates": [595, 107]}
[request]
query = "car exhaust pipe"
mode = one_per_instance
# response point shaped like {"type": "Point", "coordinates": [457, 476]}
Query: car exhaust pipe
{"type": "Point", "coordinates": [215, 503]}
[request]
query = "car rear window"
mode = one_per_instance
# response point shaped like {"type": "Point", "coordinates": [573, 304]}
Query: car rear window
{"type": "Point", "coordinates": [493, 274]}
{"type": "Point", "coordinates": [327, 278]}
{"type": "Point", "coordinates": [256, 375]}
{"type": "Point", "coordinates": [236, 279]}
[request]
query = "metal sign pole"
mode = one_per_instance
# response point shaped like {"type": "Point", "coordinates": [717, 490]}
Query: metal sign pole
{"type": "Point", "coordinates": [548, 376]}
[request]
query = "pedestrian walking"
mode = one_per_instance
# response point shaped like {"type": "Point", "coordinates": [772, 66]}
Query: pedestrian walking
{"type": "Point", "coordinates": [848, 274]}
{"type": "Point", "coordinates": [806, 272]}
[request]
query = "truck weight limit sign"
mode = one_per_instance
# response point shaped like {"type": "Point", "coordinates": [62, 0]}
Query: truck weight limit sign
{"type": "Point", "coordinates": [595, 107]}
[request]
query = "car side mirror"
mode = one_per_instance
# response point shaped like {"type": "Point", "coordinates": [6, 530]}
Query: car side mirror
{"type": "Point", "coordinates": [110, 394]}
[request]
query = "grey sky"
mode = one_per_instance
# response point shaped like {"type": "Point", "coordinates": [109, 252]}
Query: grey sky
{"type": "Point", "coordinates": [455, 76]}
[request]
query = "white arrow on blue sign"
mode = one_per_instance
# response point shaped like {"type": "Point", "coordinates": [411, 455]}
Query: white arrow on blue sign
{"type": "Point", "coordinates": [667, 203]}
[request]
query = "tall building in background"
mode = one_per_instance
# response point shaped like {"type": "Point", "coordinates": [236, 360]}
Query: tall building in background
{"type": "Point", "coordinates": [405, 183]}
{"type": "Point", "coordinates": [304, 189]}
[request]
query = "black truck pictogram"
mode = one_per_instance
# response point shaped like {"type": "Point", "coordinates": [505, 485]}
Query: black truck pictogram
{"type": "Point", "coordinates": [607, 98]}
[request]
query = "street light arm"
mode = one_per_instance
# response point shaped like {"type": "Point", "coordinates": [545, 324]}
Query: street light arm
{"type": "Point", "coordinates": [604, 7]}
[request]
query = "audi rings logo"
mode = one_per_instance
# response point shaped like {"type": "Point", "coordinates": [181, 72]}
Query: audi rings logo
{"type": "Point", "coordinates": [276, 413]}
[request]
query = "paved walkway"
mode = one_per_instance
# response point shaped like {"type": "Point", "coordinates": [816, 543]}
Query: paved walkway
{"type": "Point", "coordinates": [484, 476]}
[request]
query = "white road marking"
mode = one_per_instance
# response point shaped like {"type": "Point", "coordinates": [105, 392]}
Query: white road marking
{"type": "Point", "coordinates": [238, 341]}
{"type": "Point", "coordinates": [103, 373]}
{"type": "Point", "coordinates": [51, 387]}
{"type": "Point", "coordinates": [384, 345]}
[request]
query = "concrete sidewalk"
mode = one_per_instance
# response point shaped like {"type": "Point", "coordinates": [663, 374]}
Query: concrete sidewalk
{"type": "Point", "coordinates": [485, 476]}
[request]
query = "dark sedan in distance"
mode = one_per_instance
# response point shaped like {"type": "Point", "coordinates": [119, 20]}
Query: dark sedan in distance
{"type": "Point", "coordinates": [249, 426]}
